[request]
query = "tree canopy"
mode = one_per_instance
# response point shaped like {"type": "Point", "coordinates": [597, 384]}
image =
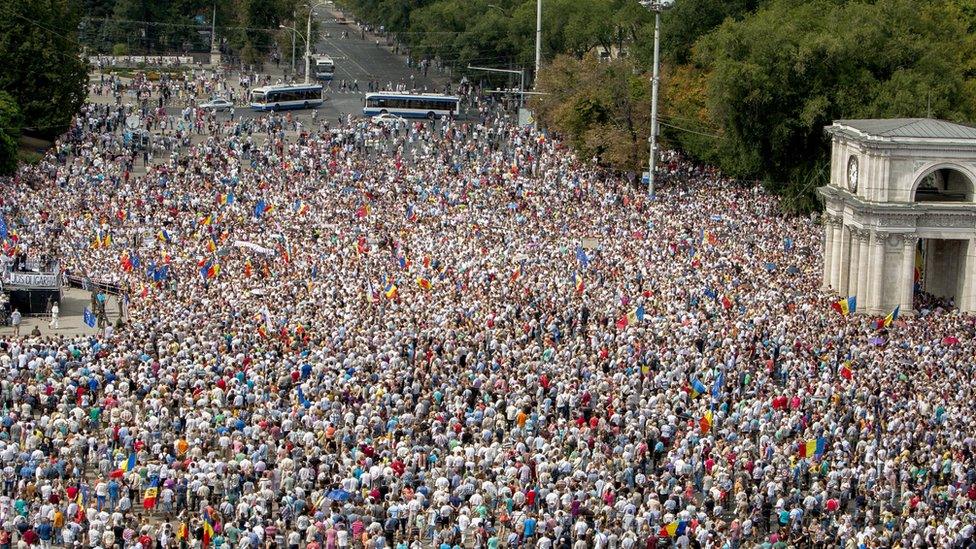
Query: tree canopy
{"type": "Point", "coordinates": [44, 72]}
{"type": "Point", "coordinates": [10, 123]}
{"type": "Point", "coordinates": [773, 80]}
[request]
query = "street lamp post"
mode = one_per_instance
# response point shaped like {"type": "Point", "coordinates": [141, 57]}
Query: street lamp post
{"type": "Point", "coordinates": [308, 37]}
{"type": "Point", "coordinates": [657, 6]}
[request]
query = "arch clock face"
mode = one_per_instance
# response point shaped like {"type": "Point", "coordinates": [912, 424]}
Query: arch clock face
{"type": "Point", "coordinates": [852, 174]}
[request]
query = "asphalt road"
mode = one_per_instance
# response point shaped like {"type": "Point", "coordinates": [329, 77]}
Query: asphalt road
{"type": "Point", "coordinates": [362, 60]}
{"type": "Point", "coordinates": [358, 58]}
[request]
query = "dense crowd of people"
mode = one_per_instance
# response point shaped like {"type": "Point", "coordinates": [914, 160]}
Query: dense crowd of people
{"type": "Point", "coordinates": [459, 334]}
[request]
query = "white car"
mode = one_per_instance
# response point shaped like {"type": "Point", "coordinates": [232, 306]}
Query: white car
{"type": "Point", "coordinates": [387, 118]}
{"type": "Point", "coordinates": [217, 104]}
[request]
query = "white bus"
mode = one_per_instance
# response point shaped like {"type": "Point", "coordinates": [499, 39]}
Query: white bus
{"type": "Point", "coordinates": [407, 105]}
{"type": "Point", "coordinates": [290, 96]}
{"type": "Point", "coordinates": [324, 68]}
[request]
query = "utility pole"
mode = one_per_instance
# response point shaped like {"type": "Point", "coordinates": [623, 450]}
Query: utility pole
{"type": "Point", "coordinates": [293, 16]}
{"type": "Point", "coordinates": [308, 43]}
{"type": "Point", "coordinates": [214, 50]}
{"type": "Point", "coordinates": [538, 38]}
{"type": "Point", "coordinates": [657, 7]}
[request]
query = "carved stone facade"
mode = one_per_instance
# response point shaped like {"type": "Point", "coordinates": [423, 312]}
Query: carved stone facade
{"type": "Point", "coordinates": [883, 211]}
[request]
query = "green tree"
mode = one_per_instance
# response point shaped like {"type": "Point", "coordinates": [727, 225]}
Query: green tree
{"type": "Point", "coordinates": [599, 107]}
{"type": "Point", "coordinates": [776, 78]}
{"type": "Point", "coordinates": [43, 68]}
{"type": "Point", "coordinates": [10, 122]}
{"type": "Point", "coordinates": [689, 20]}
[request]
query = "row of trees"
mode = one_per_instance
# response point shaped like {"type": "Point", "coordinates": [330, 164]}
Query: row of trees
{"type": "Point", "coordinates": [42, 84]}
{"type": "Point", "coordinates": [246, 28]}
{"type": "Point", "coordinates": [502, 32]}
{"type": "Point", "coordinates": [747, 85]}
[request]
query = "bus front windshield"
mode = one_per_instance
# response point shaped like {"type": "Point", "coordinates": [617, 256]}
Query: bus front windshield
{"type": "Point", "coordinates": [257, 97]}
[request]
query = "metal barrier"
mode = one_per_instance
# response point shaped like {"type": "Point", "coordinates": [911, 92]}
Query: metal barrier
{"type": "Point", "coordinates": [76, 281]}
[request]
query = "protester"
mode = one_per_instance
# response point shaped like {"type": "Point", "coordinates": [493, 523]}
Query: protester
{"type": "Point", "coordinates": [458, 334]}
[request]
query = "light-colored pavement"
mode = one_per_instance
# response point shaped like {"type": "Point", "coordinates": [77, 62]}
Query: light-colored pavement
{"type": "Point", "coordinates": [71, 318]}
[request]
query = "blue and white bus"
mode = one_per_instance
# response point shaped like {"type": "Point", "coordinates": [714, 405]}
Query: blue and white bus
{"type": "Point", "coordinates": [408, 105]}
{"type": "Point", "coordinates": [289, 96]}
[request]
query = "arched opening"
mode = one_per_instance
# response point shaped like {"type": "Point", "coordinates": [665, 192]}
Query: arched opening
{"type": "Point", "coordinates": [945, 185]}
{"type": "Point", "coordinates": [939, 272]}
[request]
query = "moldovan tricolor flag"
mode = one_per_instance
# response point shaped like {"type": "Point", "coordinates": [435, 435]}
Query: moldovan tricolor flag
{"type": "Point", "coordinates": [208, 528]}
{"type": "Point", "coordinates": [633, 317]}
{"type": "Point", "coordinates": [845, 306]}
{"type": "Point", "coordinates": [151, 493]}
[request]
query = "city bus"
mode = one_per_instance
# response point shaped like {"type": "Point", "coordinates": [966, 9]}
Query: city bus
{"type": "Point", "coordinates": [408, 105]}
{"type": "Point", "coordinates": [324, 68]}
{"type": "Point", "coordinates": [289, 96]}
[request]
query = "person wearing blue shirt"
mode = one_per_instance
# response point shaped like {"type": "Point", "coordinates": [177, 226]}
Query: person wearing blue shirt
{"type": "Point", "coordinates": [530, 524]}
{"type": "Point", "coordinates": [113, 494]}
{"type": "Point", "coordinates": [44, 532]}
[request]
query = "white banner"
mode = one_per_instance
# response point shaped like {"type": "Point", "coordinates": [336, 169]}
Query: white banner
{"type": "Point", "coordinates": [33, 280]}
{"type": "Point", "coordinates": [255, 247]}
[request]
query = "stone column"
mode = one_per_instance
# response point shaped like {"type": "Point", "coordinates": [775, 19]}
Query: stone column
{"type": "Point", "coordinates": [876, 291]}
{"type": "Point", "coordinates": [907, 286]}
{"type": "Point", "coordinates": [846, 260]}
{"type": "Point", "coordinates": [853, 279]}
{"type": "Point", "coordinates": [863, 268]}
{"type": "Point", "coordinates": [830, 244]}
{"type": "Point", "coordinates": [837, 261]}
{"type": "Point", "coordinates": [967, 299]}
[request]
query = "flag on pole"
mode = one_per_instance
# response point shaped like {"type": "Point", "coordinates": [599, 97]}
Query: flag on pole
{"type": "Point", "coordinates": [892, 316]}
{"type": "Point", "coordinates": [717, 386]}
{"type": "Point", "coordinates": [130, 462]}
{"type": "Point", "coordinates": [581, 257]}
{"type": "Point", "coordinates": [89, 318]}
{"type": "Point", "coordinates": [845, 306]}
{"type": "Point", "coordinates": [633, 317]}
{"type": "Point", "coordinates": [302, 400]}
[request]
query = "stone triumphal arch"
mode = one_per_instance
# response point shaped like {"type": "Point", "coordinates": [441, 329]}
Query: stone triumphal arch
{"type": "Point", "coordinates": [901, 212]}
